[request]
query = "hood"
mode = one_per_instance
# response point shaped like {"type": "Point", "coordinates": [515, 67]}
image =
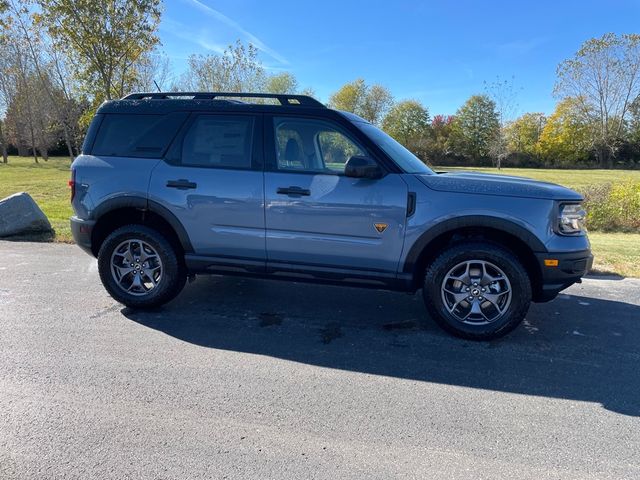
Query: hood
{"type": "Point", "coordinates": [501, 185]}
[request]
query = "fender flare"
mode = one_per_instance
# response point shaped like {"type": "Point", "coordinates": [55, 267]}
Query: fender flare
{"type": "Point", "coordinates": [144, 204]}
{"type": "Point", "coordinates": [453, 224]}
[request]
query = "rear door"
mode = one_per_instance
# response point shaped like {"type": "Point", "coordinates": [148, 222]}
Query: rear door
{"type": "Point", "coordinates": [316, 217]}
{"type": "Point", "coordinates": [212, 180]}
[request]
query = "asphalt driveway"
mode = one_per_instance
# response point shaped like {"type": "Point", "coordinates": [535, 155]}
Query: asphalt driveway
{"type": "Point", "coordinates": [261, 379]}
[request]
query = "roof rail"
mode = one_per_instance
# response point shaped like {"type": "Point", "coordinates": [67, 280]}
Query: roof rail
{"type": "Point", "coordinates": [284, 99]}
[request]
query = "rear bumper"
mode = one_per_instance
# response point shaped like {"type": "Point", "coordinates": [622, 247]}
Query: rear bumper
{"type": "Point", "coordinates": [570, 269]}
{"type": "Point", "coordinates": [81, 230]}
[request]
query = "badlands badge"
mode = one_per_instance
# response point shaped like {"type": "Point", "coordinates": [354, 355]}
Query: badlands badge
{"type": "Point", "coordinates": [380, 227]}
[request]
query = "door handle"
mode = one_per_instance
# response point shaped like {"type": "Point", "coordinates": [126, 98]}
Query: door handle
{"type": "Point", "coordinates": [294, 191]}
{"type": "Point", "coordinates": [181, 184]}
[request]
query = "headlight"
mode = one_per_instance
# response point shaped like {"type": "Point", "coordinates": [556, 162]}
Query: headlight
{"type": "Point", "coordinates": [571, 219]}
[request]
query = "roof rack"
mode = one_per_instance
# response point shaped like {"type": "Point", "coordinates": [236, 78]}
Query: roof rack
{"type": "Point", "coordinates": [284, 99]}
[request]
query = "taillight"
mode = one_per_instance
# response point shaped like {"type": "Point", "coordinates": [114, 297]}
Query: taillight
{"type": "Point", "coordinates": [72, 184]}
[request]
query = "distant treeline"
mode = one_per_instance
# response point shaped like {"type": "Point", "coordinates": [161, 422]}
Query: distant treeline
{"type": "Point", "coordinates": [59, 59]}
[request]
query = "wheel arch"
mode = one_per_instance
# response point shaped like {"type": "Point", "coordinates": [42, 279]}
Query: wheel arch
{"type": "Point", "coordinates": [510, 235]}
{"type": "Point", "coordinates": [121, 211]}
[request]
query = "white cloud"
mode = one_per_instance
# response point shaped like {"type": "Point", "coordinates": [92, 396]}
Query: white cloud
{"type": "Point", "coordinates": [248, 36]}
{"type": "Point", "coordinates": [521, 47]}
{"type": "Point", "coordinates": [181, 31]}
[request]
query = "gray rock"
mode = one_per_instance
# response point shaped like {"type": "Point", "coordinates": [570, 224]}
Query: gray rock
{"type": "Point", "coordinates": [19, 213]}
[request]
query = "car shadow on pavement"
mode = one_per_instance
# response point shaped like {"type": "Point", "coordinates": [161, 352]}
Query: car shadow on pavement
{"type": "Point", "coordinates": [575, 347]}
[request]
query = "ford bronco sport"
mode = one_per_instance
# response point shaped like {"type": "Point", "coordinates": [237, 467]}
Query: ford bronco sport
{"type": "Point", "coordinates": [279, 186]}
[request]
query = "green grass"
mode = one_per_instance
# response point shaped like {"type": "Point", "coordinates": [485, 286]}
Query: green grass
{"type": "Point", "coordinates": [575, 179]}
{"type": "Point", "coordinates": [616, 253]}
{"type": "Point", "coordinates": [47, 184]}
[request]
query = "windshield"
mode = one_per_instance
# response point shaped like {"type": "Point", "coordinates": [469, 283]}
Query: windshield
{"type": "Point", "coordinates": [406, 160]}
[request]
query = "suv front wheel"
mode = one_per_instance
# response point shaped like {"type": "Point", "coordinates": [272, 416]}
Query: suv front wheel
{"type": "Point", "coordinates": [139, 267]}
{"type": "Point", "coordinates": [477, 290]}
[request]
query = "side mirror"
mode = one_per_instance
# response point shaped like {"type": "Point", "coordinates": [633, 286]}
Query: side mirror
{"type": "Point", "coordinates": [362, 167]}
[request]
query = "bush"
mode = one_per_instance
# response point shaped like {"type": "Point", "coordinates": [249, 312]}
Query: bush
{"type": "Point", "coordinates": [613, 208]}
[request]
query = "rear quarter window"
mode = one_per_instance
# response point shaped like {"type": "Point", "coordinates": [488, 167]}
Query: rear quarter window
{"type": "Point", "coordinates": [130, 135]}
{"type": "Point", "coordinates": [222, 141]}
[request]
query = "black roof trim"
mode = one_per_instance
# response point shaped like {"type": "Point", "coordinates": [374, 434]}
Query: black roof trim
{"type": "Point", "coordinates": [284, 99]}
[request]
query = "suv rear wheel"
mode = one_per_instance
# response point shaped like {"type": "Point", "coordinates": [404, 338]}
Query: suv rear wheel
{"type": "Point", "coordinates": [139, 267]}
{"type": "Point", "coordinates": [477, 290]}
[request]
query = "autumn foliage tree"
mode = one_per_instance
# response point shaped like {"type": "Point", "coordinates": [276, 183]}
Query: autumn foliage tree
{"type": "Point", "coordinates": [603, 79]}
{"type": "Point", "coordinates": [371, 102]}
{"type": "Point", "coordinates": [439, 147]}
{"type": "Point", "coordinates": [566, 139]}
{"type": "Point", "coordinates": [107, 39]}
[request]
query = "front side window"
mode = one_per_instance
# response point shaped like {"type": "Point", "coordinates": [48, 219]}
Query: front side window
{"type": "Point", "coordinates": [222, 141]}
{"type": "Point", "coordinates": [311, 145]}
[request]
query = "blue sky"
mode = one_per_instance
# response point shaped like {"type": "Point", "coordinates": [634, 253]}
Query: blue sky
{"type": "Point", "coordinates": [437, 52]}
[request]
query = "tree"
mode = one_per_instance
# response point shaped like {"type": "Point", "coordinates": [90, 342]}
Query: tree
{"type": "Point", "coordinates": [634, 122]}
{"type": "Point", "coordinates": [475, 127]}
{"type": "Point", "coordinates": [281, 83]}
{"type": "Point", "coordinates": [107, 39]}
{"type": "Point", "coordinates": [369, 102]}
{"type": "Point", "coordinates": [38, 132]}
{"type": "Point", "coordinates": [34, 90]}
{"type": "Point", "coordinates": [66, 94]}
{"type": "Point", "coordinates": [603, 78]}
{"type": "Point", "coordinates": [50, 64]}
{"type": "Point", "coordinates": [377, 101]}
{"type": "Point", "coordinates": [408, 123]}
{"type": "Point", "coordinates": [154, 71]}
{"type": "Point", "coordinates": [522, 134]}
{"type": "Point", "coordinates": [15, 74]}
{"type": "Point", "coordinates": [566, 138]}
{"type": "Point", "coordinates": [3, 143]}
{"type": "Point", "coordinates": [309, 91]}
{"type": "Point", "coordinates": [439, 148]}
{"type": "Point", "coordinates": [237, 69]}
{"type": "Point", "coordinates": [504, 95]}
{"type": "Point", "coordinates": [5, 82]}
{"type": "Point", "coordinates": [349, 97]}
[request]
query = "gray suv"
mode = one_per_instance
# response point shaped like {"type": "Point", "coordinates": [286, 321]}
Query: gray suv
{"type": "Point", "coordinates": [170, 185]}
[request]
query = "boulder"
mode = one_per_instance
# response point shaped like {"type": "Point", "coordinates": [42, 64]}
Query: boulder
{"type": "Point", "coordinates": [19, 214]}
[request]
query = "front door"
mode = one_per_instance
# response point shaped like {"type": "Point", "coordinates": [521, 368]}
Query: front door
{"type": "Point", "coordinates": [212, 181]}
{"type": "Point", "coordinates": [315, 215]}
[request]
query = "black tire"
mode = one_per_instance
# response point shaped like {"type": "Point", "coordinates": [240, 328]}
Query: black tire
{"type": "Point", "coordinates": [172, 274]}
{"type": "Point", "coordinates": [496, 255]}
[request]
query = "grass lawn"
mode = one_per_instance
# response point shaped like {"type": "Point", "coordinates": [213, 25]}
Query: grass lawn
{"type": "Point", "coordinates": [47, 184]}
{"type": "Point", "coordinates": [616, 253]}
{"type": "Point", "coordinates": [569, 178]}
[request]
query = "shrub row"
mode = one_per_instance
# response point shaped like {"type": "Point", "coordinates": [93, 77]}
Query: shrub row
{"type": "Point", "coordinates": [613, 207]}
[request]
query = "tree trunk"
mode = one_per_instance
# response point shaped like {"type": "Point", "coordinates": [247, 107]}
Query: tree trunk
{"type": "Point", "coordinates": [67, 140]}
{"type": "Point", "coordinates": [34, 150]}
{"type": "Point", "coordinates": [603, 154]}
{"type": "Point", "coordinates": [3, 147]}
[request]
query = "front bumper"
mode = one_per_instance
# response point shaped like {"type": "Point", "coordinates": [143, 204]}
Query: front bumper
{"type": "Point", "coordinates": [81, 230]}
{"type": "Point", "coordinates": [571, 267]}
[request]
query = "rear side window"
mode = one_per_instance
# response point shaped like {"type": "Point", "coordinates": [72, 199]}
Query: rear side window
{"type": "Point", "coordinates": [144, 136]}
{"type": "Point", "coordinates": [222, 141]}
